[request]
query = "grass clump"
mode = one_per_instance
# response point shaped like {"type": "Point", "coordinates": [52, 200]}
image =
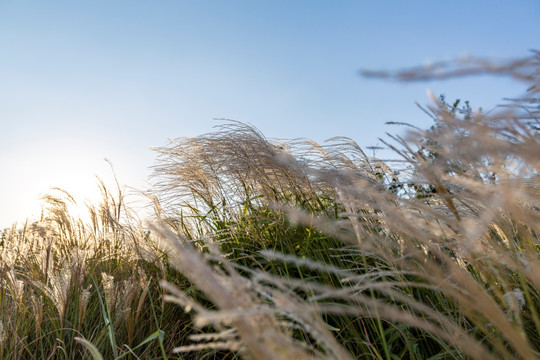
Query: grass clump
{"type": "Point", "coordinates": [277, 250]}
{"type": "Point", "coordinates": [62, 278]}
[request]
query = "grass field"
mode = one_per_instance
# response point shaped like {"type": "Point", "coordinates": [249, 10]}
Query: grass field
{"type": "Point", "coordinates": [262, 249]}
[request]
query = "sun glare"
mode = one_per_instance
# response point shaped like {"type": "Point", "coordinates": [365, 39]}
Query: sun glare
{"type": "Point", "coordinates": [42, 169]}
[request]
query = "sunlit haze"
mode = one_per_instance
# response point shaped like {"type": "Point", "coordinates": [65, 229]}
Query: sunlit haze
{"type": "Point", "coordinates": [85, 81]}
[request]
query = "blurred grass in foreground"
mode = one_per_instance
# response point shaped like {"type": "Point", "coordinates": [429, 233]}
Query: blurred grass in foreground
{"type": "Point", "coordinates": [295, 250]}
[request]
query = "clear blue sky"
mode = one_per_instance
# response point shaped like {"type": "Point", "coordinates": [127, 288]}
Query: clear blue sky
{"type": "Point", "coordinates": [81, 81]}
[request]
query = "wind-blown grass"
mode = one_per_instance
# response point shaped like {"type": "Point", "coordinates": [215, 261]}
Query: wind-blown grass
{"type": "Point", "coordinates": [278, 250]}
{"type": "Point", "coordinates": [447, 251]}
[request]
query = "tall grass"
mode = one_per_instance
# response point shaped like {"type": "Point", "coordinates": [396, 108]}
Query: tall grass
{"type": "Point", "coordinates": [280, 250]}
{"type": "Point", "coordinates": [62, 278]}
{"type": "Point", "coordinates": [442, 257]}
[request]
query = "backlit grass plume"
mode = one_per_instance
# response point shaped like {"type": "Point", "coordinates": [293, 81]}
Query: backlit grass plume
{"type": "Point", "coordinates": [266, 249]}
{"type": "Point", "coordinates": [438, 256]}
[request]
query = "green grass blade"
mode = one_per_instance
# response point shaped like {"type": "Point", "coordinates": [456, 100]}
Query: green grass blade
{"type": "Point", "coordinates": [90, 347]}
{"type": "Point", "coordinates": [159, 334]}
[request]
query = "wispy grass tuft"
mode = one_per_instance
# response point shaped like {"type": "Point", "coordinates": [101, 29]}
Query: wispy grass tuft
{"type": "Point", "coordinates": [438, 256]}
{"type": "Point", "coordinates": [266, 249]}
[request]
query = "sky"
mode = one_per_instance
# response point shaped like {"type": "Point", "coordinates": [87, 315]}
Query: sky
{"type": "Point", "coordinates": [85, 81]}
